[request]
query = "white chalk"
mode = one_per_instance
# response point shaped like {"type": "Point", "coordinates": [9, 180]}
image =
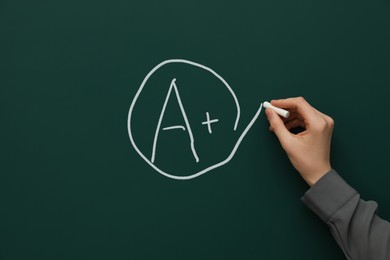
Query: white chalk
{"type": "Point", "coordinates": [280, 111]}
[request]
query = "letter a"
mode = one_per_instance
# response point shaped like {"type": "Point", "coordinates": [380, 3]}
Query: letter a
{"type": "Point", "coordinates": [173, 86]}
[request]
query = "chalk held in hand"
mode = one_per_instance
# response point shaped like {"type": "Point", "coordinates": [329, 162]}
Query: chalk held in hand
{"type": "Point", "coordinates": [284, 113]}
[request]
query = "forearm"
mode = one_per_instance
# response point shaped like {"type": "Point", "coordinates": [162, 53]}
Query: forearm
{"type": "Point", "coordinates": [353, 222]}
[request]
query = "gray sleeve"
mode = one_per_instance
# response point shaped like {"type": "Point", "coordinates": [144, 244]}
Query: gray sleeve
{"type": "Point", "coordinates": [359, 232]}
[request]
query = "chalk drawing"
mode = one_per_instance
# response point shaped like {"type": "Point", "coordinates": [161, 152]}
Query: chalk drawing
{"type": "Point", "coordinates": [173, 86]}
{"type": "Point", "coordinates": [208, 122]}
{"type": "Point", "coordinates": [174, 127]}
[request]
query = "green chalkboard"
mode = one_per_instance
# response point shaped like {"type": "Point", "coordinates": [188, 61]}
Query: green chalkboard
{"type": "Point", "coordinates": [72, 184]}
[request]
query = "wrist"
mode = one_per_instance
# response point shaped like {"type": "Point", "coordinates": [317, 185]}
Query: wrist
{"type": "Point", "coordinates": [313, 177]}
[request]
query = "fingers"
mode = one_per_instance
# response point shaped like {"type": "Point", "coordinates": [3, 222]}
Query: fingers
{"type": "Point", "coordinates": [277, 125]}
{"type": "Point", "coordinates": [297, 105]}
{"type": "Point", "coordinates": [293, 115]}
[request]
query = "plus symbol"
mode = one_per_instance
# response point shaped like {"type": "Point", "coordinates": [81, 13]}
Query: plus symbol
{"type": "Point", "coordinates": [208, 122]}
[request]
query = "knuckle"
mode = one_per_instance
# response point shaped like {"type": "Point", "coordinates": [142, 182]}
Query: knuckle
{"type": "Point", "coordinates": [321, 125]}
{"type": "Point", "coordinates": [330, 121]}
{"type": "Point", "coordinates": [301, 99]}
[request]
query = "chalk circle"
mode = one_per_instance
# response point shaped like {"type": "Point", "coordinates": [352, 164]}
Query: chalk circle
{"type": "Point", "coordinates": [209, 168]}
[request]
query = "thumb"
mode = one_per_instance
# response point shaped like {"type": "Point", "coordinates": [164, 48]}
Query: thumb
{"type": "Point", "coordinates": [277, 125]}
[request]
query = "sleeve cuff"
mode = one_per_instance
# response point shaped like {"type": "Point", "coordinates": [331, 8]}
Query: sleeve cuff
{"type": "Point", "coordinates": [328, 195]}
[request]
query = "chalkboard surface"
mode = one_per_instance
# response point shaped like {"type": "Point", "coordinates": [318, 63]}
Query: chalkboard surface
{"type": "Point", "coordinates": [73, 186]}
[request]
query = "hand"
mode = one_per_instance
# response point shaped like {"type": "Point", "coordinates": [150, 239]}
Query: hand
{"type": "Point", "coordinates": [308, 151]}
